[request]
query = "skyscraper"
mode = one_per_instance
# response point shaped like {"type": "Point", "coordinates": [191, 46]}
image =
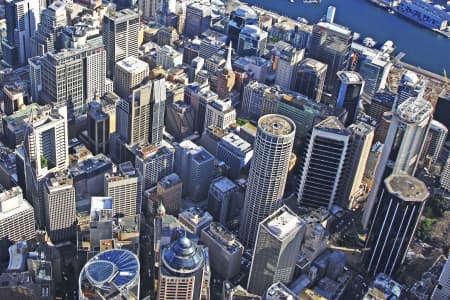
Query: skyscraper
{"type": "Point", "coordinates": [130, 73]}
{"type": "Point", "coordinates": [411, 85]}
{"type": "Point", "coordinates": [120, 37]}
{"type": "Point", "coordinates": [22, 19]}
{"type": "Point", "coordinates": [437, 136]}
{"type": "Point", "coordinates": [268, 173]}
{"type": "Point", "coordinates": [287, 59]}
{"type": "Point", "coordinates": [244, 15]}
{"type": "Point", "coordinates": [198, 19]}
{"type": "Point", "coordinates": [184, 273]}
{"type": "Point", "coordinates": [169, 190]}
{"type": "Point", "coordinates": [442, 109]}
{"type": "Point", "coordinates": [445, 175]}
{"type": "Point", "coordinates": [220, 114]}
{"type": "Point", "coordinates": [180, 120]}
{"type": "Point", "coordinates": [323, 173]}
{"type": "Point", "coordinates": [252, 41]}
{"type": "Point", "coordinates": [222, 193]}
{"type": "Point", "coordinates": [260, 99]}
{"type": "Point", "coordinates": [349, 95]}
{"type": "Point", "coordinates": [98, 128]}
{"type": "Point", "coordinates": [277, 245]}
{"type": "Point", "coordinates": [375, 70]}
{"type": "Point", "coordinates": [330, 43]}
{"type": "Point", "coordinates": [403, 145]}
{"type": "Point", "coordinates": [148, 9]}
{"type": "Point", "coordinates": [310, 78]}
{"type": "Point", "coordinates": [35, 77]}
{"type": "Point", "coordinates": [400, 205]}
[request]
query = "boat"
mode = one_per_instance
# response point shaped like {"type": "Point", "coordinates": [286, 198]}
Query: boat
{"type": "Point", "coordinates": [369, 42]}
{"type": "Point", "coordinates": [356, 36]}
{"type": "Point", "coordinates": [388, 47]}
{"type": "Point", "coordinates": [302, 20]}
{"type": "Point", "coordinates": [391, 11]}
{"type": "Point", "coordinates": [448, 3]}
{"type": "Point", "coordinates": [292, 1]}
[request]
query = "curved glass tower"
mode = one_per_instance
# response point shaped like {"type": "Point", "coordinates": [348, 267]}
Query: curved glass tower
{"type": "Point", "coordinates": [268, 172]}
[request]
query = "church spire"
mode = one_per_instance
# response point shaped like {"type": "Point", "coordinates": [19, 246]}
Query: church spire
{"type": "Point", "coordinates": [228, 66]}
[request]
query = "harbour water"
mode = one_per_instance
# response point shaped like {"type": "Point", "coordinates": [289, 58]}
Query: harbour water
{"type": "Point", "coordinates": [423, 47]}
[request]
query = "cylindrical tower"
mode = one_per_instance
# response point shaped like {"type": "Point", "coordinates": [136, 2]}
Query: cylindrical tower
{"type": "Point", "coordinates": [268, 172]}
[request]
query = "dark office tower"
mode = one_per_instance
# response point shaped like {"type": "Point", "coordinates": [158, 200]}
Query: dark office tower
{"type": "Point", "coordinates": [98, 128]}
{"type": "Point", "coordinates": [277, 245]}
{"type": "Point", "coordinates": [53, 21]}
{"type": "Point", "coordinates": [268, 172]}
{"type": "Point", "coordinates": [22, 18]}
{"type": "Point", "coordinates": [323, 175]}
{"type": "Point", "coordinates": [240, 17]}
{"type": "Point", "coordinates": [411, 85]}
{"type": "Point", "coordinates": [397, 216]}
{"type": "Point", "coordinates": [184, 273]}
{"type": "Point", "coordinates": [180, 120]}
{"type": "Point", "coordinates": [351, 86]}
{"type": "Point", "coordinates": [148, 9]}
{"type": "Point", "coordinates": [436, 137]}
{"type": "Point", "coordinates": [222, 193]}
{"type": "Point", "coordinates": [310, 80]}
{"type": "Point", "coordinates": [120, 37]}
{"type": "Point", "coordinates": [252, 41]}
{"type": "Point", "coordinates": [442, 109]}
{"type": "Point", "coordinates": [381, 102]}
{"type": "Point", "coordinates": [330, 43]}
{"type": "Point", "coordinates": [198, 19]}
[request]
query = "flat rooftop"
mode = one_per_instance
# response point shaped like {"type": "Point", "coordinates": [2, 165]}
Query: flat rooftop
{"type": "Point", "coordinates": [237, 142]}
{"type": "Point", "coordinates": [282, 222]}
{"type": "Point", "coordinates": [132, 64]}
{"type": "Point", "coordinates": [223, 184]}
{"type": "Point", "coordinates": [415, 110]}
{"type": "Point", "coordinates": [350, 77]}
{"type": "Point", "coordinates": [407, 188]}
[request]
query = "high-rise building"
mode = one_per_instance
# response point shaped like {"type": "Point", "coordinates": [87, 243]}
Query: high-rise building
{"type": "Point", "coordinates": [381, 102]}
{"type": "Point", "coordinates": [184, 273]}
{"type": "Point", "coordinates": [330, 43]}
{"type": "Point", "coordinates": [198, 19]}
{"type": "Point", "coordinates": [244, 15]}
{"type": "Point", "coordinates": [277, 244]}
{"type": "Point", "coordinates": [22, 19]}
{"type": "Point", "coordinates": [17, 221]}
{"type": "Point", "coordinates": [167, 57]}
{"type": "Point", "coordinates": [310, 78]}
{"type": "Point", "coordinates": [98, 128]}
{"type": "Point", "coordinates": [180, 120]}
{"type": "Point", "coordinates": [15, 96]}
{"type": "Point", "coordinates": [349, 95]}
{"type": "Point", "coordinates": [442, 109]}
{"type": "Point", "coordinates": [268, 173]}
{"type": "Point", "coordinates": [169, 191]}
{"type": "Point", "coordinates": [129, 74]}
{"type": "Point", "coordinates": [374, 69]}
{"type": "Point", "coordinates": [260, 99]}
{"type": "Point", "coordinates": [442, 289]}
{"type": "Point", "coordinates": [403, 145]}
{"type": "Point", "coordinates": [235, 152]}
{"type": "Point", "coordinates": [148, 9]}
{"type": "Point", "coordinates": [411, 85]}
{"type": "Point", "coordinates": [225, 251]}
{"type": "Point", "coordinates": [222, 193]}
{"type": "Point", "coordinates": [252, 41]}
{"type": "Point", "coordinates": [120, 37]}
{"type": "Point", "coordinates": [437, 136]}
{"type": "Point", "coordinates": [123, 187]}
{"type": "Point", "coordinates": [53, 20]}
{"type": "Point", "coordinates": [60, 207]}
{"type": "Point", "coordinates": [396, 218]}
{"type": "Point", "coordinates": [35, 74]}
{"type": "Point", "coordinates": [220, 114]}
{"type": "Point", "coordinates": [195, 166]}
{"type": "Point", "coordinates": [287, 59]}
{"type": "Point", "coordinates": [445, 175]}
{"type": "Point", "coordinates": [323, 172]}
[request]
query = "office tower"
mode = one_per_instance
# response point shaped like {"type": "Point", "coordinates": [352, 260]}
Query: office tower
{"type": "Point", "coordinates": [310, 79]}
{"type": "Point", "coordinates": [180, 120]}
{"type": "Point", "coordinates": [362, 137]}
{"type": "Point", "coordinates": [442, 289]}
{"type": "Point", "coordinates": [198, 19]}
{"type": "Point", "coordinates": [199, 101]}
{"type": "Point", "coordinates": [381, 102]}
{"type": "Point", "coordinates": [374, 69]}
{"type": "Point", "coordinates": [118, 268]}
{"type": "Point", "coordinates": [129, 74]}
{"type": "Point", "coordinates": [437, 135]}
{"type": "Point", "coordinates": [272, 152]}
{"type": "Point", "coordinates": [277, 244]}
{"type": "Point", "coordinates": [330, 43]}
{"type": "Point", "coordinates": [22, 19]}
{"type": "Point", "coordinates": [235, 152]}
{"type": "Point", "coordinates": [225, 251]}
{"type": "Point", "coordinates": [120, 37]}
{"type": "Point", "coordinates": [15, 96]}
{"type": "Point", "coordinates": [279, 291]}
{"type": "Point", "coordinates": [60, 207]}
{"type": "Point", "coordinates": [195, 166]}
{"type": "Point", "coordinates": [287, 59]}
{"type": "Point", "coordinates": [167, 36]}
{"type": "Point", "coordinates": [148, 9]}
{"type": "Point", "coordinates": [98, 128]}
{"type": "Point", "coordinates": [220, 114]}
{"type": "Point", "coordinates": [445, 175]}
{"type": "Point", "coordinates": [244, 15]}
{"type": "Point", "coordinates": [403, 145]}
{"type": "Point", "coordinates": [167, 57]}
{"type": "Point", "coordinates": [94, 71]}
{"type": "Point", "coordinates": [53, 20]}
{"type": "Point", "coordinates": [45, 151]}
{"type": "Point", "coordinates": [411, 85]}
{"type": "Point", "coordinates": [442, 109]}
{"type": "Point", "coordinates": [349, 95]}
{"type": "Point", "coordinates": [35, 74]}
{"type": "Point", "coordinates": [184, 273]}
{"type": "Point", "coordinates": [157, 109]}
{"type": "Point", "coordinates": [194, 219]}
{"type": "Point", "coordinates": [260, 99]}
{"type": "Point", "coordinates": [17, 221]}
{"type": "Point", "coordinates": [400, 205]}
{"type": "Point", "coordinates": [252, 41]}
{"type": "Point", "coordinates": [221, 197]}
{"type": "Point", "coordinates": [153, 163]}
{"type": "Point", "coordinates": [210, 46]}
{"type": "Point", "coordinates": [169, 190]}
{"type": "Point", "coordinates": [323, 174]}
{"type": "Point", "coordinates": [123, 188]}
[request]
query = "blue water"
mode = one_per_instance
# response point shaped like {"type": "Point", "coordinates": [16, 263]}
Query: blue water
{"type": "Point", "coordinates": [422, 46]}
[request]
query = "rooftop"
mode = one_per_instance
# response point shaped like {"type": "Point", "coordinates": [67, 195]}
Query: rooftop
{"type": "Point", "coordinates": [415, 110]}
{"type": "Point", "coordinates": [334, 27]}
{"type": "Point", "coordinates": [276, 125]}
{"type": "Point", "coordinates": [312, 64]}
{"type": "Point", "coordinates": [170, 180]}
{"type": "Point", "coordinates": [223, 184]}
{"type": "Point", "coordinates": [407, 188]}
{"type": "Point", "coordinates": [132, 64]}
{"type": "Point", "coordinates": [223, 236]}
{"type": "Point", "coordinates": [350, 77]}
{"type": "Point", "coordinates": [331, 123]}
{"type": "Point", "coordinates": [282, 222]}
{"type": "Point", "coordinates": [236, 142]}
{"type": "Point", "coordinates": [279, 291]}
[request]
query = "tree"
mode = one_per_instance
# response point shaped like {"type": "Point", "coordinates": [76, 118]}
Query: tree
{"type": "Point", "coordinates": [439, 205]}
{"type": "Point", "coordinates": [425, 228]}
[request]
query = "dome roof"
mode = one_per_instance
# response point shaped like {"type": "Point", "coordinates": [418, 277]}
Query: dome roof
{"type": "Point", "coordinates": [183, 255]}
